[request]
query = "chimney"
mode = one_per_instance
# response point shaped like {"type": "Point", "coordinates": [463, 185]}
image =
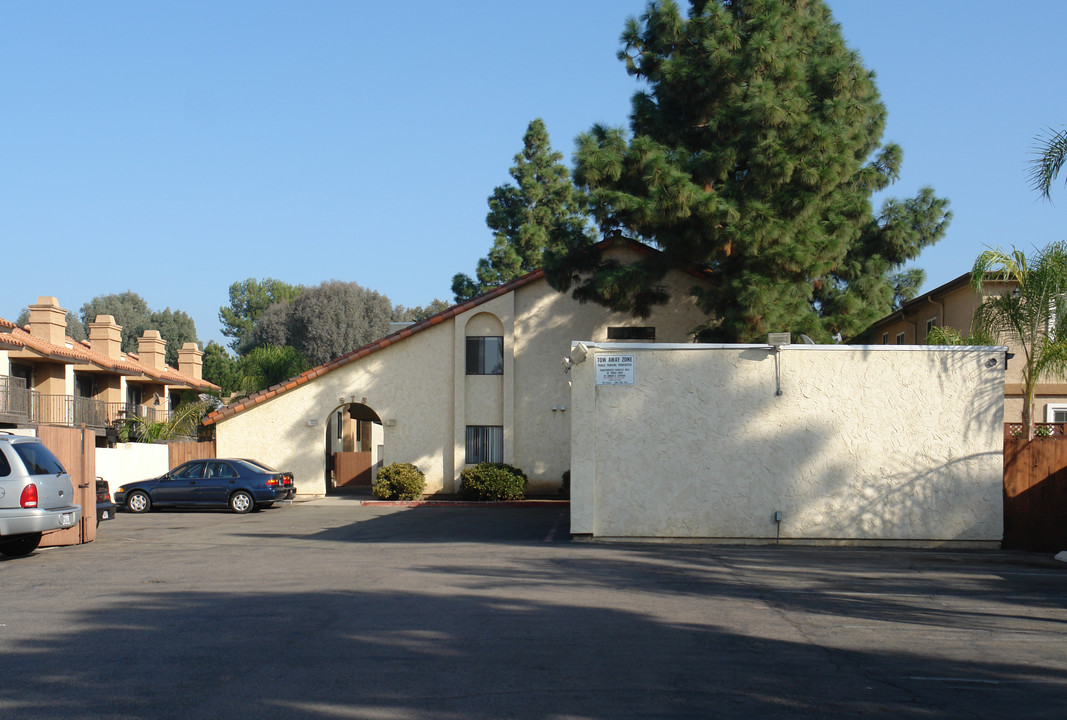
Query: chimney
{"type": "Point", "coordinates": [105, 337]}
{"type": "Point", "coordinates": [152, 350]}
{"type": "Point", "coordinates": [48, 321]}
{"type": "Point", "coordinates": [190, 362]}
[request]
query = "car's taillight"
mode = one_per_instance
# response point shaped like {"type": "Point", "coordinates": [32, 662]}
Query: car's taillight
{"type": "Point", "coordinates": [29, 496]}
{"type": "Point", "coordinates": [287, 481]}
{"type": "Point", "coordinates": [271, 482]}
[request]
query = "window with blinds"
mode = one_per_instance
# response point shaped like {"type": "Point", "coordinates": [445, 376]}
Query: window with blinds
{"type": "Point", "coordinates": [485, 443]}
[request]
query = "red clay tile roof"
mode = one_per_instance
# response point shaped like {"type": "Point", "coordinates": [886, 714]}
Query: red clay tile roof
{"type": "Point", "coordinates": [14, 337]}
{"type": "Point", "coordinates": [360, 353]}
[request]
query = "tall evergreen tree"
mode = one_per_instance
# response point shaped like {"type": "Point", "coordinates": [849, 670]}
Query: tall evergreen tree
{"type": "Point", "coordinates": [753, 152]}
{"type": "Point", "coordinates": [523, 215]}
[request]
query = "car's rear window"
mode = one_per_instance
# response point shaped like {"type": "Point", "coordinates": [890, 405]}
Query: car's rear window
{"type": "Point", "coordinates": [252, 467]}
{"type": "Point", "coordinates": [38, 459]}
{"type": "Point", "coordinates": [5, 466]}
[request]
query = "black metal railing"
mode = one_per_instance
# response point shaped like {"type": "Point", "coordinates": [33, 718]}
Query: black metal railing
{"type": "Point", "coordinates": [20, 404]}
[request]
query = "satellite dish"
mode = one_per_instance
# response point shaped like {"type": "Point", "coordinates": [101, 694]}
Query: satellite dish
{"type": "Point", "coordinates": [807, 340]}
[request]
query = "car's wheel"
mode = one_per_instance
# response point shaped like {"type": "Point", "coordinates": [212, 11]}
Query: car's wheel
{"type": "Point", "coordinates": [138, 502]}
{"type": "Point", "coordinates": [20, 545]}
{"type": "Point", "coordinates": [242, 502]}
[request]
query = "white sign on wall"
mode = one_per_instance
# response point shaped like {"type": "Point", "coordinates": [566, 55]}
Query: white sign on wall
{"type": "Point", "coordinates": [614, 369]}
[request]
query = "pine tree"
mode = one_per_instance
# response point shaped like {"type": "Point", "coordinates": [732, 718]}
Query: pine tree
{"type": "Point", "coordinates": [523, 215]}
{"type": "Point", "coordinates": [753, 152]}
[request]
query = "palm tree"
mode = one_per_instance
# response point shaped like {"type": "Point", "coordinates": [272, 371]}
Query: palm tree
{"type": "Point", "coordinates": [182, 422]}
{"type": "Point", "coordinates": [269, 365]}
{"type": "Point", "coordinates": [1032, 315]}
{"type": "Point", "coordinates": [1050, 153]}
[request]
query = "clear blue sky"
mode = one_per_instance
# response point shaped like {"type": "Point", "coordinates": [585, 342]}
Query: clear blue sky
{"type": "Point", "coordinates": [173, 148]}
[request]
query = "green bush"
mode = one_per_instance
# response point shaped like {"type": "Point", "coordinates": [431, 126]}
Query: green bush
{"type": "Point", "coordinates": [492, 481]}
{"type": "Point", "coordinates": [399, 481]}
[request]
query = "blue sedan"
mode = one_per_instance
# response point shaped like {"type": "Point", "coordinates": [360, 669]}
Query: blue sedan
{"type": "Point", "coordinates": [215, 482]}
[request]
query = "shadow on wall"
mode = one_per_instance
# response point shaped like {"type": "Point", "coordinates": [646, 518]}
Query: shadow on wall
{"type": "Point", "coordinates": [870, 460]}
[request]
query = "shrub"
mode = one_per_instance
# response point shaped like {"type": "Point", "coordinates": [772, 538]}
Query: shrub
{"type": "Point", "coordinates": [492, 481]}
{"type": "Point", "coordinates": [399, 481]}
{"type": "Point", "coordinates": [565, 488]}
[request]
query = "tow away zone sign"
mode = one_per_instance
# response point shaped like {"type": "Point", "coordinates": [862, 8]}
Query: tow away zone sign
{"type": "Point", "coordinates": [614, 369]}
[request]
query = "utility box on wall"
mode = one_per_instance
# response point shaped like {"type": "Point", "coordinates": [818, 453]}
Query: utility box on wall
{"type": "Point", "coordinates": [801, 443]}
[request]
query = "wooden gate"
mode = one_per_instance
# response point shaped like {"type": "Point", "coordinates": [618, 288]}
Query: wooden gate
{"type": "Point", "coordinates": [352, 469]}
{"type": "Point", "coordinates": [1035, 494]}
{"type": "Point", "coordinates": [179, 452]}
{"type": "Point", "coordinates": [76, 450]}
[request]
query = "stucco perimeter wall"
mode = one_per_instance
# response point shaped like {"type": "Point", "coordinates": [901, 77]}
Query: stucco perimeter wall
{"type": "Point", "coordinates": [127, 462]}
{"type": "Point", "coordinates": [409, 385]}
{"type": "Point", "coordinates": [878, 444]}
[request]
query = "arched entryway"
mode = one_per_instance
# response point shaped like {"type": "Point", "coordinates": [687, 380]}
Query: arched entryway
{"type": "Point", "coordinates": [354, 446]}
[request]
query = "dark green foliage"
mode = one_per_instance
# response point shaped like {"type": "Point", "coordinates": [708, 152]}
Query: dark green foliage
{"type": "Point", "coordinates": [415, 314]}
{"type": "Point", "coordinates": [399, 481]}
{"type": "Point", "coordinates": [325, 321]}
{"type": "Point", "coordinates": [132, 314]}
{"type": "Point", "coordinates": [176, 327]}
{"type": "Point", "coordinates": [269, 365]}
{"type": "Point", "coordinates": [492, 481]}
{"type": "Point", "coordinates": [906, 284]}
{"type": "Point", "coordinates": [525, 215]}
{"type": "Point", "coordinates": [75, 330]}
{"type": "Point", "coordinates": [220, 368]}
{"type": "Point", "coordinates": [248, 300]}
{"type": "Point", "coordinates": [753, 152]}
{"type": "Point", "coordinates": [130, 311]}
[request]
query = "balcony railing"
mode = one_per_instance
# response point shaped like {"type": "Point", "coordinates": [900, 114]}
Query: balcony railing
{"type": "Point", "coordinates": [20, 405]}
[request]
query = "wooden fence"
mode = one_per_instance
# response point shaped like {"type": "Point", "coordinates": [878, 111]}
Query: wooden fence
{"type": "Point", "coordinates": [1035, 493]}
{"type": "Point", "coordinates": [180, 452]}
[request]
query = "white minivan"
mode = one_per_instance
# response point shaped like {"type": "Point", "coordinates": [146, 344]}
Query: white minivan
{"type": "Point", "coordinates": [36, 494]}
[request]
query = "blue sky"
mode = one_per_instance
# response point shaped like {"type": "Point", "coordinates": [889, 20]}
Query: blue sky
{"type": "Point", "coordinates": [173, 148]}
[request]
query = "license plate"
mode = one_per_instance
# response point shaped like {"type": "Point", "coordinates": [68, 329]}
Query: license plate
{"type": "Point", "coordinates": [66, 519]}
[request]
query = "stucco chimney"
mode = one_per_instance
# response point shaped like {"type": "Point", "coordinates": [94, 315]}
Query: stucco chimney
{"type": "Point", "coordinates": [48, 321]}
{"type": "Point", "coordinates": [105, 337]}
{"type": "Point", "coordinates": [152, 350]}
{"type": "Point", "coordinates": [190, 361]}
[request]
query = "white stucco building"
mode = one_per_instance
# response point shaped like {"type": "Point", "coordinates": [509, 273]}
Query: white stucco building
{"type": "Point", "coordinates": [480, 381]}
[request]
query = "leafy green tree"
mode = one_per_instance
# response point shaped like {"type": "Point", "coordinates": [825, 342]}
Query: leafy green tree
{"type": "Point", "coordinates": [420, 312]}
{"type": "Point", "coordinates": [220, 368]}
{"type": "Point", "coordinates": [174, 326]}
{"type": "Point", "coordinates": [249, 299]}
{"type": "Point", "coordinates": [1050, 153]}
{"type": "Point", "coordinates": [269, 365]}
{"type": "Point", "coordinates": [524, 215]}
{"type": "Point", "coordinates": [132, 313]}
{"type": "Point", "coordinates": [75, 329]}
{"type": "Point", "coordinates": [753, 153]}
{"type": "Point", "coordinates": [1035, 317]}
{"type": "Point", "coordinates": [325, 321]}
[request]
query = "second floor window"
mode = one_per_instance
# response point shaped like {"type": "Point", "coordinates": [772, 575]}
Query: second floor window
{"type": "Point", "coordinates": [485, 355]}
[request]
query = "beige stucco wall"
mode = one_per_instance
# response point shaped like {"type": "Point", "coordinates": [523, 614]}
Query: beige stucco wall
{"type": "Point", "coordinates": [421, 384]}
{"type": "Point", "coordinates": [701, 446]}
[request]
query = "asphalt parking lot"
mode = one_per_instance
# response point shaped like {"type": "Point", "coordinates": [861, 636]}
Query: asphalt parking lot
{"type": "Point", "coordinates": [333, 610]}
